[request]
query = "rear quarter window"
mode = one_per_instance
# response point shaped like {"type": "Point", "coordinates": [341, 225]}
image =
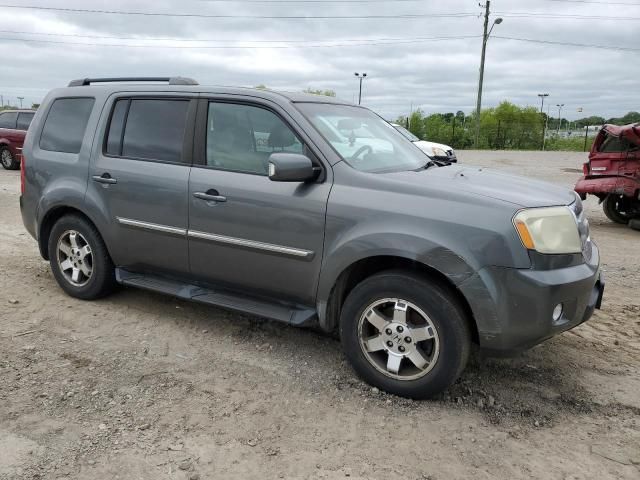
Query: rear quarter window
{"type": "Point", "coordinates": [65, 124]}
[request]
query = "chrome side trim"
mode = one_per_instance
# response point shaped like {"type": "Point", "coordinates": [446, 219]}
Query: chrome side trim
{"type": "Point", "coordinates": [152, 226]}
{"type": "Point", "coordinates": [294, 252]}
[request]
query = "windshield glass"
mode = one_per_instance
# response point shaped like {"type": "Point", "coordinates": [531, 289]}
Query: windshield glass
{"type": "Point", "coordinates": [363, 140]}
{"type": "Point", "coordinates": [406, 133]}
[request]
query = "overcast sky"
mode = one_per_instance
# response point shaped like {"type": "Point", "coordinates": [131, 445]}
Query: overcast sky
{"type": "Point", "coordinates": [436, 76]}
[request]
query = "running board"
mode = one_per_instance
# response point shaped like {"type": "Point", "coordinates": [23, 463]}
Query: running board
{"type": "Point", "coordinates": [291, 314]}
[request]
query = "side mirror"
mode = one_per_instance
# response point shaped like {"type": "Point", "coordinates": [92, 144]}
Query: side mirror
{"type": "Point", "coordinates": [290, 167]}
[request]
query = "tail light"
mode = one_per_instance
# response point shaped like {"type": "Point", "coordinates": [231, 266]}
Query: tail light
{"type": "Point", "coordinates": [22, 167]}
{"type": "Point", "coordinates": [585, 168]}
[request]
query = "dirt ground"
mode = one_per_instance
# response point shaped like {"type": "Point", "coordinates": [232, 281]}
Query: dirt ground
{"type": "Point", "coordinates": [143, 386]}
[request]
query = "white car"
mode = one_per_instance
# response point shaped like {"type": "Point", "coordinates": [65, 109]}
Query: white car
{"type": "Point", "coordinates": [437, 151]}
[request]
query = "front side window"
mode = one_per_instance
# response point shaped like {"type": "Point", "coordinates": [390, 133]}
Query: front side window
{"type": "Point", "coordinates": [362, 139]}
{"type": "Point", "coordinates": [242, 137]}
{"type": "Point", "coordinates": [24, 120]}
{"type": "Point", "coordinates": [65, 125]}
{"type": "Point", "coordinates": [8, 120]}
{"type": "Point", "coordinates": [148, 129]}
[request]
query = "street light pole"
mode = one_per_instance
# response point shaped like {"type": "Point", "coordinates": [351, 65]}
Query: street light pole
{"type": "Point", "coordinates": [360, 77]}
{"type": "Point", "coordinates": [485, 38]}
{"type": "Point", "coordinates": [20, 98]}
{"type": "Point", "coordinates": [560, 105]}
{"type": "Point", "coordinates": [544, 123]}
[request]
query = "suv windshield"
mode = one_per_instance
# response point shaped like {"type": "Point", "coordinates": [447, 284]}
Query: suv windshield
{"type": "Point", "coordinates": [364, 140]}
{"type": "Point", "coordinates": [406, 133]}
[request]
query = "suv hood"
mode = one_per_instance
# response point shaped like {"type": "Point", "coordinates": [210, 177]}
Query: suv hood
{"type": "Point", "coordinates": [514, 189]}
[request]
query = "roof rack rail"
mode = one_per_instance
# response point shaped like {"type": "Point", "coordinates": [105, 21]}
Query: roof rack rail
{"type": "Point", "coordinates": [170, 80]}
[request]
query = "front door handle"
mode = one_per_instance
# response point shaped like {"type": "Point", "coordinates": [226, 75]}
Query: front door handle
{"type": "Point", "coordinates": [210, 196]}
{"type": "Point", "coordinates": [104, 178]}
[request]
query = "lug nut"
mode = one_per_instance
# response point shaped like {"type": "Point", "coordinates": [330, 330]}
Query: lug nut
{"type": "Point", "coordinates": [400, 329]}
{"type": "Point", "coordinates": [401, 348]}
{"type": "Point", "coordinates": [389, 344]}
{"type": "Point", "coordinates": [388, 331]}
{"type": "Point", "coordinates": [407, 339]}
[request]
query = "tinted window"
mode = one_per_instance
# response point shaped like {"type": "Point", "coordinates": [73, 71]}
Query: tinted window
{"type": "Point", "coordinates": [241, 137]}
{"type": "Point", "coordinates": [116, 127]}
{"type": "Point", "coordinates": [8, 120]}
{"type": "Point", "coordinates": [154, 129]}
{"type": "Point", "coordinates": [24, 120]}
{"type": "Point", "coordinates": [65, 125]}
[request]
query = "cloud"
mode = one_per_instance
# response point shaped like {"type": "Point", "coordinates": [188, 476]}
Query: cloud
{"type": "Point", "coordinates": [435, 76]}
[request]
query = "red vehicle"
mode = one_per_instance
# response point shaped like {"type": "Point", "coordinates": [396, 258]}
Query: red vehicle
{"type": "Point", "coordinates": [13, 128]}
{"type": "Point", "coordinates": [613, 172]}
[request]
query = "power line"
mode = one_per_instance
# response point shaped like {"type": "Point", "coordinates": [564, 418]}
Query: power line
{"type": "Point", "coordinates": [268, 17]}
{"type": "Point", "coordinates": [561, 16]}
{"type": "Point", "coordinates": [222, 47]}
{"type": "Point", "coordinates": [596, 2]}
{"type": "Point", "coordinates": [218, 40]}
{"type": "Point", "coordinates": [570, 44]}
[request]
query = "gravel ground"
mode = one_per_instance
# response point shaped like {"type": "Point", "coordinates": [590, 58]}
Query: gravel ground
{"type": "Point", "coordinates": [143, 386]}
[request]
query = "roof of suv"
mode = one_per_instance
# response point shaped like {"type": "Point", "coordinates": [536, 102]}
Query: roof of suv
{"type": "Point", "coordinates": [117, 85]}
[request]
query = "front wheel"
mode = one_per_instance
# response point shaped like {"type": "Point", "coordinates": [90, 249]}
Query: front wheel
{"type": "Point", "coordinates": [404, 334]}
{"type": "Point", "coordinates": [7, 159]}
{"type": "Point", "coordinates": [618, 208]}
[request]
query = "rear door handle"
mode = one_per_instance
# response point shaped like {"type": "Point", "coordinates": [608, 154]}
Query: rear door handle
{"type": "Point", "coordinates": [210, 196]}
{"type": "Point", "coordinates": [104, 178]}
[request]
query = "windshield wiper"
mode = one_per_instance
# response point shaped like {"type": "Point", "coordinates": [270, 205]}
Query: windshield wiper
{"type": "Point", "coordinates": [432, 163]}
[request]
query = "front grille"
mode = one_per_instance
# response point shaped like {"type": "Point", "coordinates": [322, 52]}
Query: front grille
{"type": "Point", "coordinates": [583, 227]}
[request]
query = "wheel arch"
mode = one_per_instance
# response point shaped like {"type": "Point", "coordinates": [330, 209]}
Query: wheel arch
{"type": "Point", "coordinates": [49, 220]}
{"type": "Point", "coordinates": [363, 268]}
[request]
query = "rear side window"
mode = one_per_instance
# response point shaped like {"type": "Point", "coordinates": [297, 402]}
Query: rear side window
{"type": "Point", "coordinates": [65, 125]}
{"type": "Point", "coordinates": [149, 129]}
{"type": "Point", "coordinates": [8, 120]}
{"type": "Point", "coordinates": [24, 120]}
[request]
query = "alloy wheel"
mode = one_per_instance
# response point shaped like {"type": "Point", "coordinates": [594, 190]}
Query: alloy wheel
{"type": "Point", "coordinates": [6, 158]}
{"type": "Point", "coordinates": [75, 258]}
{"type": "Point", "coordinates": [398, 339]}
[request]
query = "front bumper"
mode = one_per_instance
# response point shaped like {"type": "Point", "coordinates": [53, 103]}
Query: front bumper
{"type": "Point", "coordinates": [513, 307]}
{"type": "Point", "coordinates": [448, 159]}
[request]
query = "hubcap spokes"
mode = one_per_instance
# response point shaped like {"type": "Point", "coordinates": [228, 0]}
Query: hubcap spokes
{"type": "Point", "coordinates": [75, 258]}
{"type": "Point", "coordinates": [6, 158]}
{"type": "Point", "coordinates": [398, 339]}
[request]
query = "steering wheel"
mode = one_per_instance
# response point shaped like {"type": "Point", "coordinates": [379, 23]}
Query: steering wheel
{"type": "Point", "coordinates": [360, 151]}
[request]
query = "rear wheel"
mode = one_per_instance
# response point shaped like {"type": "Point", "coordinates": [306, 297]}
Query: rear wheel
{"type": "Point", "coordinates": [79, 259]}
{"type": "Point", "coordinates": [618, 208]}
{"type": "Point", "coordinates": [404, 334]}
{"type": "Point", "coordinates": [7, 159]}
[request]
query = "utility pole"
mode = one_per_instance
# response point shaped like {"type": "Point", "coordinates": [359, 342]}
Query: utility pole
{"type": "Point", "coordinates": [20, 98]}
{"type": "Point", "coordinates": [360, 77]}
{"type": "Point", "coordinates": [560, 105]}
{"type": "Point", "coordinates": [485, 39]}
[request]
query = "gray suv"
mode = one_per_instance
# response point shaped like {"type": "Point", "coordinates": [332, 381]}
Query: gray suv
{"type": "Point", "coordinates": [277, 205]}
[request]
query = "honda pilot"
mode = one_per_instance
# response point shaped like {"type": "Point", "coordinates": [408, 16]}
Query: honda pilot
{"type": "Point", "coordinates": [249, 200]}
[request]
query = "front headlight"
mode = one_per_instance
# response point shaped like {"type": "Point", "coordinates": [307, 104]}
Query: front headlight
{"type": "Point", "coordinates": [548, 230]}
{"type": "Point", "coordinates": [439, 152]}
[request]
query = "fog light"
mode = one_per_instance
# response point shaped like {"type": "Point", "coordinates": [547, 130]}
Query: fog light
{"type": "Point", "coordinates": [557, 312]}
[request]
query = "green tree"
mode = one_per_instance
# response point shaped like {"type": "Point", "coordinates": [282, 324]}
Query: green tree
{"type": "Point", "coordinates": [326, 93]}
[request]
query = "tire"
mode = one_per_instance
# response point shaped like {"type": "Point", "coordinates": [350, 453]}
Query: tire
{"type": "Point", "coordinates": [447, 350]}
{"type": "Point", "coordinates": [68, 240]}
{"type": "Point", "coordinates": [8, 161]}
{"type": "Point", "coordinates": [634, 224]}
{"type": "Point", "coordinates": [613, 208]}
